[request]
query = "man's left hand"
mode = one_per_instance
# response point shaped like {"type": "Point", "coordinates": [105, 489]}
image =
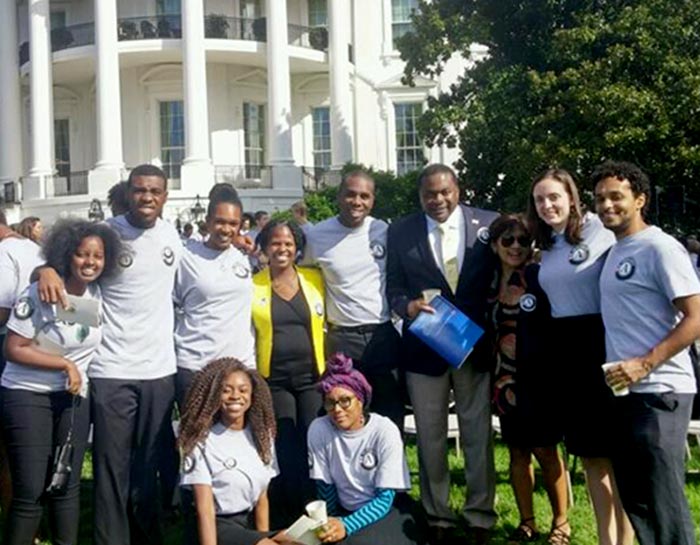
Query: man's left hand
{"type": "Point", "coordinates": [626, 373]}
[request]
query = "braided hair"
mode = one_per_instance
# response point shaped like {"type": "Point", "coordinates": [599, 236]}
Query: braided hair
{"type": "Point", "coordinates": [203, 406]}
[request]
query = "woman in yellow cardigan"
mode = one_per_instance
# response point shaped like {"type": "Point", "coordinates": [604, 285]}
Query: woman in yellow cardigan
{"type": "Point", "coordinates": [289, 315]}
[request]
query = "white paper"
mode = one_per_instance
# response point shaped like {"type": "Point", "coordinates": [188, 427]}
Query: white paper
{"type": "Point", "coordinates": [81, 310]}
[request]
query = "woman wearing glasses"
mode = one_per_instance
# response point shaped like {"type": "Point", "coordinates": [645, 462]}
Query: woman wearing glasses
{"type": "Point", "coordinates": [520, 317]}
{"type": "Point", "coordinates": [573, 247]}
{"type": "Point", "coordinates": [357, 461]}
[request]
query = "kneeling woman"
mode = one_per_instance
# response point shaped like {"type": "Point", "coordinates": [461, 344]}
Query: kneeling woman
{"type": "Point", "coordinates": [358, 463]}
{"type": "Point", "coordinates": [226, 436]}
{"type": "Point", "coordinates": [45, 381]}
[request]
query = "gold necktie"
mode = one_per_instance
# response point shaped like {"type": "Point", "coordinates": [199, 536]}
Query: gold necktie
{"type": "Point", "coordinates": [450, 265]}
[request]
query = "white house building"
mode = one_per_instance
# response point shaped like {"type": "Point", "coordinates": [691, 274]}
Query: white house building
{"type": "Point", "coordinates": [265, 94]}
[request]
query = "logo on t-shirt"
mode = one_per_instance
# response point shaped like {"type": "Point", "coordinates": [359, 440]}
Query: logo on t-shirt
{"type": "Point", "coordinates": [528, 302]}
{"type": "Point", "coordinates": [230, 463]}
{"type": "Point", "coordinates": [579, 254]}
{"type": "Point", "coordinates": [241, 271]}
{"type": "Point", "coordinates": [188, 464]}
{"type": "Point", "coordinates": [24, 308]}
{"type": "Point", "coordinates": [483, 235]}
{"type": "Point", "coordinates": [168, 256]}
{"type": "Point", "coordinates": [625, 268]}
{"type": "Point", "coordinates": [368, 460]}
{"type": "Point", "coordinates": [125, 260]}
{"type": "Point", "coordinates": [378, 250]}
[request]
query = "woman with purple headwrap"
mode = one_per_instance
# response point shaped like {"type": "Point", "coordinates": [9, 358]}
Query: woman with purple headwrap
{"type": "Point", "coordinates": [357, 461]}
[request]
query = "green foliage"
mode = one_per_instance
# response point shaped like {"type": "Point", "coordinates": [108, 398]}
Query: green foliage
{"type": "Point", "coordinates": [567, 83]}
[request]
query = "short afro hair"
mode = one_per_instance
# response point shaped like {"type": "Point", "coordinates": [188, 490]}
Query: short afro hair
{"type": "Point", "coordinates": [65, 237]}
{"type": "Point", "coordinates": [146, 170]}
{"type": "Point", "coordinates": [623, 170]}
{"type": "Point", "coordinates": [263, 239]}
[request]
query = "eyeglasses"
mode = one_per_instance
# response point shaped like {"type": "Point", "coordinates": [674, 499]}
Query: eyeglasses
{"type": "Point", "coordinates": [523, 240]}
{"type": "Point", "coordinates": [344, 402]}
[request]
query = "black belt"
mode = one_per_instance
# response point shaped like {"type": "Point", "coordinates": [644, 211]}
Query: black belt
{"type": "Point", "coordinates": [362, 329]}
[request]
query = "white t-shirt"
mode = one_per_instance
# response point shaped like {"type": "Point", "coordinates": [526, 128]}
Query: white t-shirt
{"type": "Point", "coordinates": [137, 337]}
{"type": "Point", "coordinates": [33, 319]}
{"type": "Point", "coordinates": [18, 258]}
{"type": "Point", "coordinates": [214, 294]}
{"type": "Point", "coordinates": [570, 275]}
{"type": "Point", "coordinates": [358, 462]}
{"type": "Point", "coordinates": [353, 263]}
{"type": "Point", "coordinates": [642, 276]}
{"type": "Point", "coordinates": [230, 464]}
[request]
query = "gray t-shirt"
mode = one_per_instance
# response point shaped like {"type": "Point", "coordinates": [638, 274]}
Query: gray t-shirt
{"type": "Point", "coordinates": [18, 258]}
{"type": "Point", "coordinates": [137, 337]}
{"type": "Point", "coordinates": [353, 263]}
{"type": "Point", "coordinates": [642, 276]}
{"type": "Point", "coordinates": [230, 464]}
{"type": "Point", "coordinates": [358, 462]}
{"type": "Point", "coordinates": [569, 274]}
{"type": "Point", "coordinates": [214, 294]}
{"type": "Point", "coordinates": [33, 319]}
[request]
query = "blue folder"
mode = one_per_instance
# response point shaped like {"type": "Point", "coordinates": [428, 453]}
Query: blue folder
{"type": "Point", "coordinates": [449, 331]}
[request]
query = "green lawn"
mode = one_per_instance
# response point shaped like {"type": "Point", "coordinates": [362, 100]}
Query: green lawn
{"type": "Point", "coordinates": [581, 516]}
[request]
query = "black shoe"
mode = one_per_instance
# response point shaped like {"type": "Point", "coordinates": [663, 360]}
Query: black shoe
{"type": "Point", "coordinates": [478, 536]}
{"type": "Point", "coordinates": [442, 535]}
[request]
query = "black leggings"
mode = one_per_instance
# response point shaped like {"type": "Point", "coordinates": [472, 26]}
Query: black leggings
{"type": "Point", "coordinates": [295, 406]}
{"type": "Point", "coordinates": [34, 425]}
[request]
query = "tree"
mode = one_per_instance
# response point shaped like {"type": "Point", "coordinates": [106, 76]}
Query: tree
{"type": "Point", "coordinates": [566, 83]}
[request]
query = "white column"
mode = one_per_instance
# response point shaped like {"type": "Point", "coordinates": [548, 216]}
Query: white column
{"type": "Point", "coordinates": [341, 103]}
{"type": "Point", "coordinates": [40, 87]}
{"type": "Point", "coordinates": [10, 101]}
{"type": "Point", "coordinates": [107, 88]}
{"type": "Point", "coordinates": [194, 65]}
{"type": "Point", "coordinates": [278, 84]}
{"type": "Point", "coordinates": [197, 173]}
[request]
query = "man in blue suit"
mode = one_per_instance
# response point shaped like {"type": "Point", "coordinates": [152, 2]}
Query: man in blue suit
{"type": "Point", "coordinates": [446, 247]}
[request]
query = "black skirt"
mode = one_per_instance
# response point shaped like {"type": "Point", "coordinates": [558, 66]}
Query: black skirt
{"type": "Point", "coordinates": [585, 400]}
{"type": "Point", "coordinates": [237, 530]}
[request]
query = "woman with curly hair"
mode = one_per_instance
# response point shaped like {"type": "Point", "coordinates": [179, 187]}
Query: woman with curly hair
{"type": "Point", "coordinates": [44, 384]}
{"type": "Point", "coordinates": [226, 437]}
{"type": "Point", "coordinates": [289, 315]}
{"type": "Point", "coordinates": [357, 461]}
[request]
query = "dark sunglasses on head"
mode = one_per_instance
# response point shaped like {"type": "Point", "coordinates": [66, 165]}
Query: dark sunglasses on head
{"type": "Point", "coordinates": [523, 240]}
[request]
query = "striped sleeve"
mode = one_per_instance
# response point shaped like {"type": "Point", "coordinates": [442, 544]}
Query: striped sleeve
{"type": "Point", "coordinates": [369, 513]}
{"type": "Point", "coordinates": [328, 493]}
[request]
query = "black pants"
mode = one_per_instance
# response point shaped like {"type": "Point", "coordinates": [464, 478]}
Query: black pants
{"type": "Point", "coordinates": [132, 420]}
{"type": "Point", "coordinates": [375, 351]}
{"type": "Point", "coordinates": [34, 425]}
{"type": "Point", "coordinates": [649, 463]}
{"type": "Point", "coordinates": [190, 535]}
{"type": "Point", "coordinates": [296, 406]}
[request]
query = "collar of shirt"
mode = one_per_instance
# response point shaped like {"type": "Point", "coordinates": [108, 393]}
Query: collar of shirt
{"type": "Point", "coordinates": [452, 222]}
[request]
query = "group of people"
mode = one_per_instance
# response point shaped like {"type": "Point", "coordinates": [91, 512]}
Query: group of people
{"type": "Point", "coordinates": [252, 360]}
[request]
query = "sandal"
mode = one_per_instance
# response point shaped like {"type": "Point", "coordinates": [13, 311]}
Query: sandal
{"type": "Point", "coordinates": [524, 533]}
{"type": "Point", "coordinates": [559, 535]}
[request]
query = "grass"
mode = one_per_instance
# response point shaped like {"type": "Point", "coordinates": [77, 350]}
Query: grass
{"type": "Point", "coordinates": [580, 516]}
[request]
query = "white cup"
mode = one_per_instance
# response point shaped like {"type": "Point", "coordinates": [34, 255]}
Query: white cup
{"type": "Point", "coordinates": [317, 511]}
{"type": "Point", "coordinates": [619, 391]}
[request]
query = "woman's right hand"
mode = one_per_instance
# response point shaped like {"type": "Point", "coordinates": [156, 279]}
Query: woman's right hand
{"type": "Point", "coordinates": [52, 290]}
{"type": "Point", "coordinates": [75, 380]}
